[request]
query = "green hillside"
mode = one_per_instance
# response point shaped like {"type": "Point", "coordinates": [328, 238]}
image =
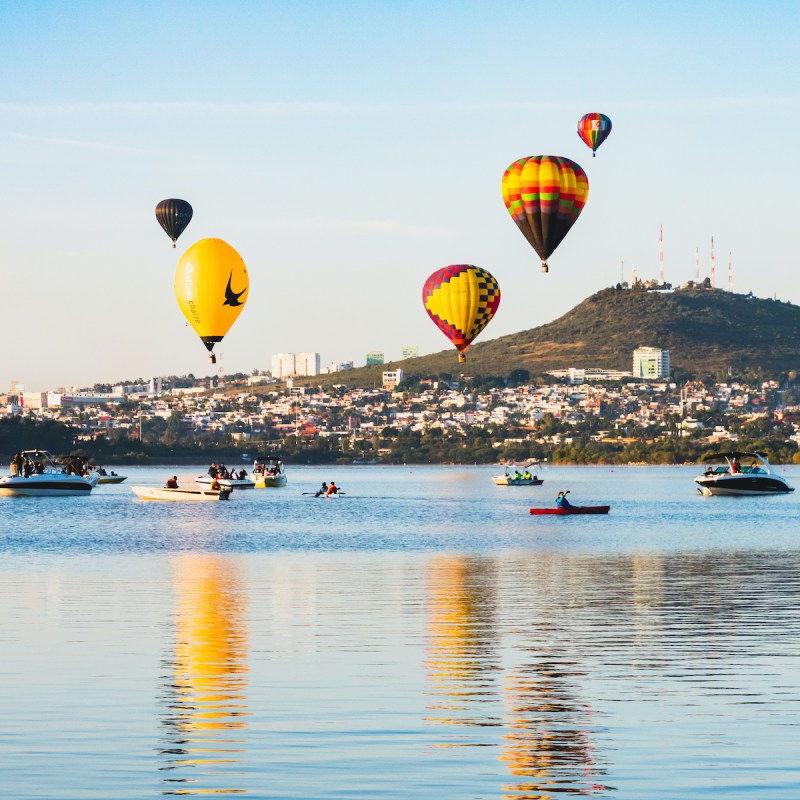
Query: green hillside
{"type": "Point", "coordinates": [707, 331]}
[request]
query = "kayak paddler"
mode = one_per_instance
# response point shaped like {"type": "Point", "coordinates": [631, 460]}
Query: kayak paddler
{"type": "Point", "coordinates": [561, 500]}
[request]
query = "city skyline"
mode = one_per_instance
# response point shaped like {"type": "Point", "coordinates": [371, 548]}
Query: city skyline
{"type": "Point", "coordinates": [346, 154]}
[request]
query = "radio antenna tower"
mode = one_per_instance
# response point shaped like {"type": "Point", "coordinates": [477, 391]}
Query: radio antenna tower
{"type": "Point", "coordinates": [697, 264]}
{"type": "Point", "coordinates": [730, 271]}
{"type": "Point", "coordinates": [220, 373]}
{"type": "Point", "coordinates": [713, 265]}
{"type": "Point", "coordinates": [661, 255]}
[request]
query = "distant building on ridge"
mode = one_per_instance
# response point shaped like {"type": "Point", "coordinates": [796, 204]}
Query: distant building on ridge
{"type": "Point", "coordinates": [374, 357]}
{"type": "Point", "coordinates": [285, 365]}
{"type": "Point", "coordinates": [650, 362]}
{"type": "Point", "coordinates": [410, 351]}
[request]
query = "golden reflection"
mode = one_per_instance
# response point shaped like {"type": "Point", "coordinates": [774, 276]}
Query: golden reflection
{"type": "Point", "coordinates": [463, 650]}
{"type": "Point", "coordinates": [546, 744]}
{"type": "Point", "coordinates": [205, 690]}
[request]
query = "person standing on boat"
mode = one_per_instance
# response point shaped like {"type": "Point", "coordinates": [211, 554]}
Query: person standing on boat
{"type": "Point", "coordinates": [212, 471]}
{"type": "Point", "coordinates": [561, 500]}
{"type": "Point", "coordinates": [19, 461]}
{"type": "Point", "coordinates": [172, 483]}
{"type": "Point", "coordinates": [735, 466]}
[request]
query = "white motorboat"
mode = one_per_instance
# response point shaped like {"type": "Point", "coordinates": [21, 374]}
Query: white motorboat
{"type": "Point", "coordinates": [42, 477]}
{"type": "Point", "coordinates": [268, 471]}
{"type": "Point", "coordinates": [226, 483]}
{"type": "Point", "coordinates": [159, 493]}
{"type": "Point", "coordinates": [524, 475]}
{"type": "Point", "coordinates": [740, 474]}
{"type": "Point", "coordinates": [111, 477]}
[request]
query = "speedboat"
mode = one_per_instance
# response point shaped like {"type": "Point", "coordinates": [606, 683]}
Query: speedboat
{"type": "Point", "coordinates": [43, 477]}
{"type": "Point", "coordinates": [268, 471]}
{"type": "Point", "coordinates": [111, 477]}
{"type": "Point", "coordinates": [157, 493]}
{"type": "Point", "coordinates": [225, 483]}
{"type": "Point", "coordinates": [740, 473]}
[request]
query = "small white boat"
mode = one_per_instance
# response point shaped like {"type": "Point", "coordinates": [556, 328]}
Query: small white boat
{"type": "Point", "coordinates": [510, 480]}
{"type": "Point", "coordinates": [43, 477]}
{"type": "Point", "coordinates": [156, 493]}
{"type": "Point", "coordinates": [226, 483]}
{"type": "Point", "coordinates": [112, 478]}
{"type": "Point", "coordinates": [733, 477]}
{"type": "Point", "coordinates": [268, 472]}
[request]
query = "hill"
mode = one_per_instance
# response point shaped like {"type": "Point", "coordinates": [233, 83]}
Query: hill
{"type": "Point", "coordinates": [708, 332]}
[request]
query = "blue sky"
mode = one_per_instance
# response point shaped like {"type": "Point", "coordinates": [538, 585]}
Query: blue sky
{"type": "Point", "coordinates": [349, 150]}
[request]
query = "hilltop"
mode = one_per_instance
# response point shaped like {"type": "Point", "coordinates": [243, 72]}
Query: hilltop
{"type": "Point", "coordinates": [708, 332]}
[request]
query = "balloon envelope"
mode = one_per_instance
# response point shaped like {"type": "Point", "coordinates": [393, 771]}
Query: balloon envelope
{"type": "Point", "coordinates": [173, 216]}
{"type": "Point", "coordinates": [461, 300]}
{"type": "Point", "coordinates": [211, 285]}
{"type": "Point", "coordinates": [593, 129]}
{"type": "Point", "coordinates": [545, 195]}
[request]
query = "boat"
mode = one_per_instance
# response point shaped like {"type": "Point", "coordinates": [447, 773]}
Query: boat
{"type": "Point", "coordinates": [159, 493]}
{"type": "Point", "coordinates": [225, 483]}
{"type": "Point", "coordinates": [510, 480]}
{"type": "Point", "coordinates": [268, 471]}
{"type": "Point", "coordinates": [565, 512]}
{"type": "Point", "coordinates": [42, 476]}
{"type": "Point", "coordinates": [111, 477]}
{"type": "Point", "coordinates": [733, 477]}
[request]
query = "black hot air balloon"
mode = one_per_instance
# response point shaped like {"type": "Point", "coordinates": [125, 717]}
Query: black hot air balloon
{"type": "Point", "coordinates": [173, 216]}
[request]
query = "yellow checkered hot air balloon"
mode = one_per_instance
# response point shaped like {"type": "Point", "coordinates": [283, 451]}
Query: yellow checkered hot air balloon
{"type": "Point", "coordinates": [461, 299]}
{"type": "Point", "coordinates": [211, 286]}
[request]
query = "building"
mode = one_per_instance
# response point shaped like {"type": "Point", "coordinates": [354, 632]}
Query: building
{"type": "Point", "coordinates": [285, 365]}
{"type": "Point", "coordinates": [374, 357]}
{"type": "Point", "coordinates": [410, 351]}
{"type": "Point", "coordinates": [650, 362]}
{"type": "Point", "coordinates": [392, 378]}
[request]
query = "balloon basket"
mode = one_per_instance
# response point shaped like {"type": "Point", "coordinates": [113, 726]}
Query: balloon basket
{"type": "Point", "coordinates": [212, 359]}
{"type": "Point", "coordinates": [462, 359]}
{"type": "Point", "coordinates": [545, 268]}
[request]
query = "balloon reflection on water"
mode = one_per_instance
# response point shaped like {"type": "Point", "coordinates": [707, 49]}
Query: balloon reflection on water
{"type": "Point", "coordinates": [205, 690]}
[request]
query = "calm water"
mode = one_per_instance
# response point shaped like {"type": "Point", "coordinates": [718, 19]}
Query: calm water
{"type": "Point", "coordinates": [423, 636]}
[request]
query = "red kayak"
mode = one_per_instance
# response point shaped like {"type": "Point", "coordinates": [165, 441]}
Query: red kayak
{"type": "Point", "coordinates": [563, 512]}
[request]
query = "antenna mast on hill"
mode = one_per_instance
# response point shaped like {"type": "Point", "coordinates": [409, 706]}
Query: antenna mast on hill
{"type": "Point", "coordinates": [713, 265]}
{"type": "Point", "coordinates": [697, 264]}
{"type": "Point", "coordinates": [220, 373]}
{"type": "Point", "coordinates": [661, 254]}
{"type": "Point", "coordinates": [730, 271]}
{"type": "Point", "coordinates": [633, 276]}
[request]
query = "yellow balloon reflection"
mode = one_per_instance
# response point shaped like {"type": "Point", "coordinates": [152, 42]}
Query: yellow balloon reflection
{"type": "Point", "coordinates": [463, 652]}
{"type": "Point", "coordinates": [206, 688]}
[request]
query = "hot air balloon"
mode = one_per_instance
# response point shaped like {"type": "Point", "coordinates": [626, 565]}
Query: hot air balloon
{"type": "Point", "coordinates": [173, 216]}
{"type": "Point", "coordinates": [594, 129]}
{"type": "Point", "coordinates": [545, 195]}
{"type": "Point", "coordinates": [211, 287]}
{"type": "Point", "coordinates": [461, 299]}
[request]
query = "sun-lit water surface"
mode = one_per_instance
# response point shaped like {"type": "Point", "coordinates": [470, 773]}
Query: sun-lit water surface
{"type": "Point", "coordinates": [423, 636]}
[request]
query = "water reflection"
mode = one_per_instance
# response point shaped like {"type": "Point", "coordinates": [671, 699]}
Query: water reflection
{"type": "Point", "coordinates": [546, 743]}
{"type": "Point", "coordinates": [463, 654]}
{"type": "Point", "coordinates": [205, 690]}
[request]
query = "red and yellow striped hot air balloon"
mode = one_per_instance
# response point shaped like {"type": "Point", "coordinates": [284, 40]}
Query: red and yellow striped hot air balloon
{"type": "Point", "coordinates": [545, 195]}
{"type": "Point", "coordinates": [461, 299]}
{"type": "Point", "coordinates": [593, 129]}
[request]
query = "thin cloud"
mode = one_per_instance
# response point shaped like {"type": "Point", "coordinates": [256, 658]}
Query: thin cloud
{"type": "Point", "coordinates": [90, 145]}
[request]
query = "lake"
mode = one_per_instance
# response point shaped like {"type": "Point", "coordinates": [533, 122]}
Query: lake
{"type": "Point", "coordinates": [421, 636]}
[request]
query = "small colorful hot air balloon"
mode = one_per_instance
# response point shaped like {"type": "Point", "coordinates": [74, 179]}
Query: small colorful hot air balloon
{"type": "Point", "coordinates": [211, 285]}
{"type": "Point", "coordinates": [461, 299]}
{"type": "Point", "coordinates": [173, 216]}
{"type": "Point", "coordinates": [545, 195]}
{"type": "Point", "coordinates": [594, 129]}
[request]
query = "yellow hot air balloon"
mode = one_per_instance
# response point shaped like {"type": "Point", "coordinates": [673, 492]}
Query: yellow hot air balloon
{"type": "Point", "coordinates": [211, 286]}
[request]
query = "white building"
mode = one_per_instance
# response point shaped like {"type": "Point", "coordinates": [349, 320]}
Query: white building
{"type": "Point", "coordinates": [650, 362]}
{"type": "Point", "coordinates": [288, 364]}
{"type": "Point", "coordinates": [391, 378]}
{"type": "Point", "coordinates": [410, 351]}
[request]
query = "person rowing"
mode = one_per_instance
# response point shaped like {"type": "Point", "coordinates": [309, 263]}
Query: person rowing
{"type": "Point", "coordinates": [561, 500]}
{"type": "Point", "coordinates": [332, 489]}
{"type": "Point", "coordinates": [322, 489]}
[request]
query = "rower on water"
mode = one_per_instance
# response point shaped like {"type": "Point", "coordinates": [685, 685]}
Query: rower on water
{"type": "Point", "coordinates": [561, 500]}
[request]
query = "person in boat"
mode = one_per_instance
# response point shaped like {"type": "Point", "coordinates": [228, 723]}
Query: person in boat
{"type": "Point", "coordinates": [38, 468]}
{"type": "Point", "coordinates": [526, 475]}
{"type": "Point", "coordinates": [735, 466]}
{"type": "Point", "coordinates": [242, 474]}
{"type": "Point", "coordinates": [332, 489]}
{"type": "Point", "coordinates": [212, 471]}
{"type": "Point", "coordinates": [215, 487]}
{"type": "Point", "coordinates": [561, 500]}
{"type": "Point", "coordinates": [322, 490]}
{"type": "Point", "coordinates": [14, 465]}
{"type": "Point", "coordinates": [517, 475]}
{"type": "Point", "coordinates": [754, 467]}
{"type": "Point", "coordinates": [172, 483]}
